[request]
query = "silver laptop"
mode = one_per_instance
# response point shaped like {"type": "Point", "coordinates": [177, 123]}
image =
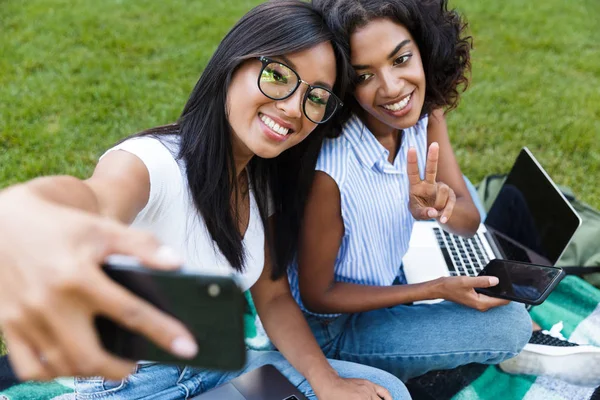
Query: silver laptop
{"type": "Point", "coordinates": [264, 383]}
{"type": "Point", "coordinates": [529, 221]}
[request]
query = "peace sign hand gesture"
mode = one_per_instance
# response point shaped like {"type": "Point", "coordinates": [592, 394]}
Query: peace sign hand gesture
{"type": "Point", "coordinates": [428, 198]}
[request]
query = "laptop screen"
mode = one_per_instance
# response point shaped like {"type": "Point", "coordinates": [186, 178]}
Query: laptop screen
{"type": "Point", "coordinates": [531, 215]}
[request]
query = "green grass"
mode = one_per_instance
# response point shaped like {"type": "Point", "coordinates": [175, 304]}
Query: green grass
{"type": "Point", "coordinates": [79, 74]}
{"type": "Point", "coordinates": [536, 80]}
{"type": "Point", "coordinates": [76, 75]}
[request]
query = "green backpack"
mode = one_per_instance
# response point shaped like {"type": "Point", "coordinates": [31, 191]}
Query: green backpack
{"type": "Point", "coordinates": [584, 249]}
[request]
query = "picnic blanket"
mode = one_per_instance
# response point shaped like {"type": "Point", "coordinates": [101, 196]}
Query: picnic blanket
{"type": "Point", "coordinates": [575, 302]}
{"type": "Point", "coordinates": [59, 389]}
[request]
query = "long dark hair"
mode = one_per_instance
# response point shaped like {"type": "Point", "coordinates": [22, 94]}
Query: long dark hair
{"type": "Point", "coordinates": [439, 33]}
{"type": "Point", "coordinates": [270, 29]}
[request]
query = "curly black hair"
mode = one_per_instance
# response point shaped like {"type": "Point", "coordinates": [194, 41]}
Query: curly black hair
{"type": "Point", "coordinates": [440, 34]}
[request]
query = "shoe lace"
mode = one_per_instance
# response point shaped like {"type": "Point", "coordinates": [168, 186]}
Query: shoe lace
{"type": "Point", "coordinates": [555, 331]}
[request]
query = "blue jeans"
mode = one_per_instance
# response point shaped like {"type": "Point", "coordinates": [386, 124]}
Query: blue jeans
{"type": "Point", "coordinates": [410, 340]}
{"type": "Point", "coordinates": [165, 382]}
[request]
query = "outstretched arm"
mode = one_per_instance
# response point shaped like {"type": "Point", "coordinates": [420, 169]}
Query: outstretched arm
{"type": "Point", "coordinates": [55, 233]}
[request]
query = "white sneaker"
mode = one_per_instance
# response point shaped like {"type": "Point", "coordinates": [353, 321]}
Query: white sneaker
{"type": "Point", "coordinates": [548, 353]}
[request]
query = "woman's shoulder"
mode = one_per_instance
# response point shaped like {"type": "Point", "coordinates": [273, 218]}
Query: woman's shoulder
{"type": "Point", "coordinates": [167, 145]}
{"type": "Point", "coordinates": [338, 147]}
{"type": "Point", "coordinates": [152, 150]}
{"type": "Point", "coordinates": [334, 147]}
{"type": "Point", "coordinates": [159, 154]}
{"type": "Point", "coordinates": [334, 152]}
{"type": "Point", "coordinates": [333, 159]}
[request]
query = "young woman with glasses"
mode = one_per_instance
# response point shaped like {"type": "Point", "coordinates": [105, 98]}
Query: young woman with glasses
{"type": "Point", "coordinates": [240, 158]}
{"type": "Point", "coordinates": [392, 165]}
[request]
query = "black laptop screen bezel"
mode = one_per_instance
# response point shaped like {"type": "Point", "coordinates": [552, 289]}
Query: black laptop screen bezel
{"type": "Point", "coordinates": [554, 219]}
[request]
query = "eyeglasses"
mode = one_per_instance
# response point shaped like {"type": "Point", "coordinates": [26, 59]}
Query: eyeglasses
{"type": "Point", "coordinates": [277, 81]}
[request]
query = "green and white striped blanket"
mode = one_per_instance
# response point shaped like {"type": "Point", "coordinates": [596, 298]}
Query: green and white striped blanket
{"type": "Point", "coordinates": [574, 302]}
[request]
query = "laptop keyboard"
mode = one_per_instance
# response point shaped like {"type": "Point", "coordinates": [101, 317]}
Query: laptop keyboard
{"type": "Point", "coordinates": [463, 256]}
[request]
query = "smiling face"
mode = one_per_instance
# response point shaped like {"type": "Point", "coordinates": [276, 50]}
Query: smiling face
{"type": "Point", "coordinates": [266, 127]}
{"type": "Point", "coordinates": [391, 85]}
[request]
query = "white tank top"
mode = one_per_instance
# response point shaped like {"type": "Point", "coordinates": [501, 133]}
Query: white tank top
{"type": "Point", "coordinates": [171, 216]}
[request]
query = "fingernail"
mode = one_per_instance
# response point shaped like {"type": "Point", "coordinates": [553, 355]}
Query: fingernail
{"type": "Point", "coordinates": [494, 281]}
{"type": "Point", "coordinates": [444, 220]}
{"type": "Point", "coordinates": [432, 213]}
{"type": "Point", "coordinates": [167, 255]}
{"type": "Point", "coordinates": [184, 347]}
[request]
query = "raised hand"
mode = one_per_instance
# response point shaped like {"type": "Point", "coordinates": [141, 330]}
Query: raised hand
{"type": "Point", "coordinates": [51, 287]}
{"type": "Point", "coordinates": [428, 198]}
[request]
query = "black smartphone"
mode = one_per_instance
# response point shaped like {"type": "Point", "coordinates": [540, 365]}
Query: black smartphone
{"type": "Point", "coordinates": [210, 306]}
{"type": "Point", "coordinates": [520, 281]}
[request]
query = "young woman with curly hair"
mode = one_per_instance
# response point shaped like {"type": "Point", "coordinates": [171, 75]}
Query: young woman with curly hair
{"type": "Point", "coordinates": [410, 59]}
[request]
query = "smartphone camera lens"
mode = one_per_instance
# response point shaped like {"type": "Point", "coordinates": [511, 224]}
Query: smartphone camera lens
{"type": "Point", "coordinates": [214, 290]}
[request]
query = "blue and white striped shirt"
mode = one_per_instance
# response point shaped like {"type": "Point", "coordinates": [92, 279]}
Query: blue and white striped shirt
{"type": "Point", "coordinates": [374, 204]}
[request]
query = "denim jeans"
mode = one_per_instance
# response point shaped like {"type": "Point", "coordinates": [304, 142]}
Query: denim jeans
{"type": "Point", "coordinates": [410, 340]}
{"type": "Point", "coordinates": [165, 382]}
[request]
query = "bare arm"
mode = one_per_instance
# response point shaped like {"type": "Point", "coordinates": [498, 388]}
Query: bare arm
{"type": "Point", "coordinates": [289, 332]}
{"type": "Point", "coordinates": [118, 189]}
{"type": "Point", "coordinates": [465, 217]}
{"type": "Point", "coordinates": [55, 232]}
{"type": "Point", "coordinates": [322, 232]}
{"type": "Point", "coordinates": [286, 327]}
{"type": "Point", "coordinates": [321, 236]}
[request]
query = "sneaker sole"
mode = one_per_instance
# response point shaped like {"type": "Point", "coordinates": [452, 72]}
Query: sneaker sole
{"type": "Point", "coordinates": [577, 365]}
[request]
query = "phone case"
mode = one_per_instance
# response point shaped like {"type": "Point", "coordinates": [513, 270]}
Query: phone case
{"type": "Point", "coordinates": [211, 307]}
{"type": "Point", "coordinates": [544, 295]}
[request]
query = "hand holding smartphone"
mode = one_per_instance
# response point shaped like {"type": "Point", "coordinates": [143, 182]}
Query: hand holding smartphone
{"type": "Point", "coordinates": [521, 282]}
{"type": "Point", "coordinates": [211, 307]}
